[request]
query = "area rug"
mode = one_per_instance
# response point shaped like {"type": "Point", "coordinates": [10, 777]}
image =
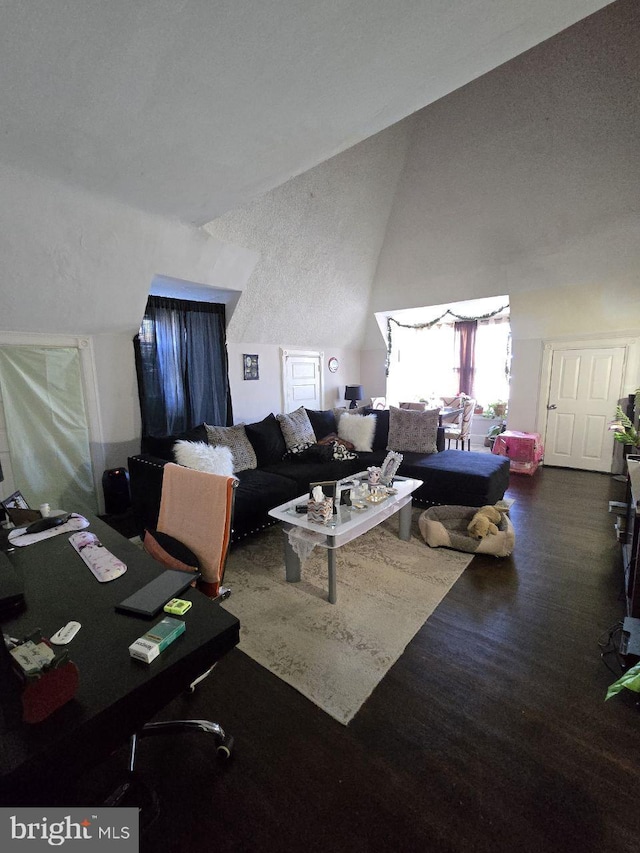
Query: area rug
{"type": "Point", "coordinates": [335, 654]}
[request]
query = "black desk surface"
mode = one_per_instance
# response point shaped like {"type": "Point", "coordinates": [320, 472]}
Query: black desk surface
{"type": "Point", "coordinates": [116, 694]}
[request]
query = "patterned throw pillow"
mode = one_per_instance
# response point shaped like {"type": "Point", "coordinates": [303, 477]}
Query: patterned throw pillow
{"type": "Point", "coordinates": [413, 432]}
{"type": "Point", "coordinates": [204, 457]}
{"type": "Point", "coordinates": [342, 453]}
{"type": "Point", "coordinates": [234, 437]}
{"type": "Point", "coordinates": [296, 429]}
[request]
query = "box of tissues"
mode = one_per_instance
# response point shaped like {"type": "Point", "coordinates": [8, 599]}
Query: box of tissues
{"type": "Point", "coordinates": [319, 507]}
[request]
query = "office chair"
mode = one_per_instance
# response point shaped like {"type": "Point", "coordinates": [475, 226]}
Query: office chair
{"type": "Point", "coordinates": [193, 534]}
{"type": "Point", "coordinates": [461, 431]}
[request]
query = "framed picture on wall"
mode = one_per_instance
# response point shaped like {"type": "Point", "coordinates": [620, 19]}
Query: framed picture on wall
{"type": "Point", "coordinates": [250, 365]}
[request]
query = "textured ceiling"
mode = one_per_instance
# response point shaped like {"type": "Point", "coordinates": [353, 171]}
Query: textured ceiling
{"type": "Point", "coordinates": [188, 108]}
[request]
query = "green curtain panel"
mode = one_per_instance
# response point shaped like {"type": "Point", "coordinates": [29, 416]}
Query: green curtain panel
{"type": "Point", "coordinates": [47, 427]}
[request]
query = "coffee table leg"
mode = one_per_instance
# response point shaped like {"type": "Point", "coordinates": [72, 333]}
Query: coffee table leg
{"type": "Point", "coordinates": [331, 562]}
{"type": "Point", "coordinates": [404, 516]}
{"type": "Point", "coordinates": [291, 562]}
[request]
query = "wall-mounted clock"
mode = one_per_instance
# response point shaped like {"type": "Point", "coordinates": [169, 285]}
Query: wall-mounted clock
{"type": "Point", "coordinates": [333, 364]}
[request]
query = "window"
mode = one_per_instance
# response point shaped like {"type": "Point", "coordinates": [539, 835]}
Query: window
{"type": "Point", "coordinates": [182, 366]}
{"type": "Point", "coordinates": [426, 363]}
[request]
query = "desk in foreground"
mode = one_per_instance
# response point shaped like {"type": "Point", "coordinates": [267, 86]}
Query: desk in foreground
{"type": "Point", "coordinates": [116, 694]}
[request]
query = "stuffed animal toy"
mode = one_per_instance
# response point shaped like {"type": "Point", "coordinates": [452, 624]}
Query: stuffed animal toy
{"type": "Point", "coordinates": [484, 522]}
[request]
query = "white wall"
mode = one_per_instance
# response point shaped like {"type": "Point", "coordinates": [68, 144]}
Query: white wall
{"type": "Point", "coordinates": [253, 399]}
{"type": "Point", "coordinates": [74, 263]}
{"type": "Point", "coordinates": [318, 237]}
{"type": "Point", "coordinates": [526, 182]}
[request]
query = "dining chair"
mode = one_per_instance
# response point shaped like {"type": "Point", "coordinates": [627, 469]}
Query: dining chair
{"type": "Point", "coordinates": [418, 407]}
{"type": "Point", "coordinates": [460, 432]}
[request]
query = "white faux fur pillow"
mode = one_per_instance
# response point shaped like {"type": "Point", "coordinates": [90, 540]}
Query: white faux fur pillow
{"type": "Point", "coordinates": [358, 429]}
{"type": "Point", "coordinates": [204, 457]}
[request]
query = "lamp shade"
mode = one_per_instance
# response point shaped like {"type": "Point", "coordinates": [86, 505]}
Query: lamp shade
{"type": "Point", "coordinates": [353, 393]}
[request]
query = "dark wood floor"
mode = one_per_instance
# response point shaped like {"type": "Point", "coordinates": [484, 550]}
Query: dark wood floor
{"type": "Point", "coordinates": [489, 734]}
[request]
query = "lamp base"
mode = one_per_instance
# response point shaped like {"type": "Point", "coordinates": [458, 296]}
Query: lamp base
{"type": "Point", "coordinates": [353, 405]}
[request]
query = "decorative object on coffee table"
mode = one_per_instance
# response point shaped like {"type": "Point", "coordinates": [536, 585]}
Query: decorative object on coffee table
{"type": "Point", "coordinates": [389, 468]}
{"type": "Point", "coordinates": [373, 475]}
{"type": "Point", "coordinates": [353, 393]}
{"type": "Point", "coordinates": [319, 507]}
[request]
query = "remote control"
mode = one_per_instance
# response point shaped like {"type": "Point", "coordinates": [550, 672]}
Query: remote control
{"type": "Point", "coordinates": [65, 634]}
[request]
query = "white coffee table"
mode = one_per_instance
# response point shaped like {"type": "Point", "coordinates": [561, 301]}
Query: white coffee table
{"type": "Point", "coordinates": [346, 525]}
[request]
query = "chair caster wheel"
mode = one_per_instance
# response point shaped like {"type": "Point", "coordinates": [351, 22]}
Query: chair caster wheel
{"type": "Point", "coordinates": [224, 748]}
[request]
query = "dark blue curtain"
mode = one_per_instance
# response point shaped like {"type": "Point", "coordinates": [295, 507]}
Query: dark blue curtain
{"type": "Point", "coordinates": [182, 366]}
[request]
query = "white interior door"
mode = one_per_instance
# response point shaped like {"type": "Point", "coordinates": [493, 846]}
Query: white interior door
{"type": "Point", "coordinates": [302, 380]}
{"type": "Point", "coordinates": [584, 390]}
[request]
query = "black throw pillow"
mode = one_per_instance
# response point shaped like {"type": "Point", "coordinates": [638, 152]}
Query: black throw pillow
{"type": "Point", "coordinates": [267, 441]}
{"type": "Point", "coordinates": [381, 434]}
{"type": "Point", "coordinates": [323, 422]}
{"type": "Point", "coordinates": [162, 446]}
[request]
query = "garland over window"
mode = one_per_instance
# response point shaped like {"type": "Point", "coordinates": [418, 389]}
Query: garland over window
{"type": "Point", "coordinates": [429, 324]}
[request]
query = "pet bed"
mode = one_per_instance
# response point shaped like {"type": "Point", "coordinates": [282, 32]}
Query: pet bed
{"type": "Point", "coordinates": [446, 526]}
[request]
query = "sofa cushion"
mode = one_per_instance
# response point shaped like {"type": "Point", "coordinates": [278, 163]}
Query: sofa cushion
{"type": "Point", "coordinates": [296, 428]}
{"type": "Point", "coordinates": [381, 435]}
{"type": "Point", "coordinates": [303, 473]}
{"type": "Point", "coordinates": [162, 447]}
{"type": "Point", "coordinates": [234, 437]}
{"type": "Point", "coordinates": [267, 440]}
{"type": "Point", "coordinates": [457, 477]}
{"type": "Point", "coordinates": [323, 422]}
{"type": "Point", "coordinates": [258, 492]}
{"type": "Point", "coordinates": [412, 431]}
{"type": "Point", "coordinates": [204, 457]}
{"type": "Point", "coordinates": [358, 429]}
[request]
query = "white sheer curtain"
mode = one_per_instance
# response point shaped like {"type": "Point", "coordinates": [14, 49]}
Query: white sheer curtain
{"type": "Point", "coordinates": [492, 354]}
{"type": "Point", "coordinates": [421, 365]}
{"type": "Point", "coordinates": [47, 427]}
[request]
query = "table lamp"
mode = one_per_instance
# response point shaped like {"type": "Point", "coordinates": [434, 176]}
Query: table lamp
{"type": "Point", "coordinates": [353, 393]}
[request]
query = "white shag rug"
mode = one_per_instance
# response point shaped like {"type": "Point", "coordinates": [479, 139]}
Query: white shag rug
{"type": "Point", "coordinates": [335, 654]}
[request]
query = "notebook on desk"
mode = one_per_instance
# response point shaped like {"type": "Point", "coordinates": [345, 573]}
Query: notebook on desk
{"type": "Point", "coordinates": [153, 596]}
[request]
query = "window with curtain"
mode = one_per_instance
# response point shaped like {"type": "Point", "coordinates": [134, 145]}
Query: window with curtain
{"type": "Point", "coordinates": [182, 366]}
{"type": "Point", "coordinates": [447, 358]}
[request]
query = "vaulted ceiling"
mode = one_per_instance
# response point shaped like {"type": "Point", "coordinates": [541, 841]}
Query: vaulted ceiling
{"type": "Point", "coordinates": [189, 108]}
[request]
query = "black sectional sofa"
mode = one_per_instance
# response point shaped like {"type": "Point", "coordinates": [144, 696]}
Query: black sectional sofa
{"type": "Point", "coordinates": [449, 476]}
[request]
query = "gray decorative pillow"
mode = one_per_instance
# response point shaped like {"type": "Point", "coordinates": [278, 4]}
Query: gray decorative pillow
{"type": "Point", "coordinates": [411, 431]}
{"type": "Point", "coordinates": [234, 437]}
{"type": "Point", "coordinates": [296, 428]}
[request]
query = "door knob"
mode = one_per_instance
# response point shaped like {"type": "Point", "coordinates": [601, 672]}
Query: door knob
{"type": "Point", "coordinates": [552, 406]}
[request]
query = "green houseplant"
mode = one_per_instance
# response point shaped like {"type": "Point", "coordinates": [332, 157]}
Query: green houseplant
{"type": "Point", "coordinates": [623, 429]}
